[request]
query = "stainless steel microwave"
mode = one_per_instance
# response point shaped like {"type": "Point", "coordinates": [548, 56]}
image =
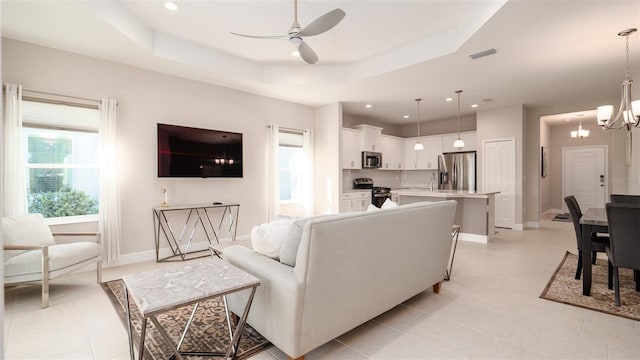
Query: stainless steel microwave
{"type": "Point", "coordinates": [371, 160]}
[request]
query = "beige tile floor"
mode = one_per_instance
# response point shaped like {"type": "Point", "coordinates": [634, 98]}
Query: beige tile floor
{"type": "Point", "coordinates": [490, 309]}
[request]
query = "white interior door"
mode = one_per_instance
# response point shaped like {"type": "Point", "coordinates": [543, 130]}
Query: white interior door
{"type": "Point", "coordinates": [584, 175]}
{"type": "Point", "coordinates": [499, 174]}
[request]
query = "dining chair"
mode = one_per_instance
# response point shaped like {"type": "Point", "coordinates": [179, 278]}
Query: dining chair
{"type": "Point", "coordinates": [620, 198]}
{"type": "Point", "coordinates": [598, 243]}
{"type": "Point", "coordinates": [623, 249]}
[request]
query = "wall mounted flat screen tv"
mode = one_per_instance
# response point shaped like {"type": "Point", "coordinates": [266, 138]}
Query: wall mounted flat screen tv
{"type": "Point", "coordinates": [192, 152]}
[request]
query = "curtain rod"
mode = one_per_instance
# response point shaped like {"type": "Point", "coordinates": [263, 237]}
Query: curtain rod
{"type": "Point", "coordinates": [57, 101]}
{"type": "Point", "coordinates": [295, 131]}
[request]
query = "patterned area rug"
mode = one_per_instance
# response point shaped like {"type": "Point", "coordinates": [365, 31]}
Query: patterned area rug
{"type": "Point", "coordinates": [208, 331]}
{"type": "Point", "coordinates": [564, 288]}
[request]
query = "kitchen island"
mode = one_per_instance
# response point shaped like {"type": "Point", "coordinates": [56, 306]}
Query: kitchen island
{"type": "Point", "coordinates": [474, 212]}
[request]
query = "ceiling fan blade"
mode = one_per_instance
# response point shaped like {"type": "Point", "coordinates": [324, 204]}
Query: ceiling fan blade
{"type": "Point", "coordinates": [323, 23]}
{"type": "Point", "coordinates": [307, 54]}
{"type": "Point", "coordinates": [283, 37]}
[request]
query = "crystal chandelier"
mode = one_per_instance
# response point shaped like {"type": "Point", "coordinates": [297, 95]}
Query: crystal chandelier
{"type": "Point", "coordinates": [459, 143]}
{"type": "Point", "coordinates": [580, 133]}
{"type": "Point", "coordinates": [628, 114]}
{"type": "Point", "coordinates": [418, 145]}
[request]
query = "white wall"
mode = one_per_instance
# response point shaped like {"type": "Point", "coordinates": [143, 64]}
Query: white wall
{"type": "Point", "coordinates": [438, 127]}
{"type": "Point", "coordinates": [545, 182]}
{"type": "Point", "coordinates": [146, 98]}
{"type": "Point", "coordinates": [506, 122]}
{"type": "Point", "coordinates": [618, 170]}
{"type": "Point", "coordinates": [326, 139]}
{"type": "Point", "coordinates": [560, 138]}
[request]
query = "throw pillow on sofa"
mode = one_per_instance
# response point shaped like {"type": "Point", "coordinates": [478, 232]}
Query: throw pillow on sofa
{"type": "Point", "coordinates": [267, 239]}
{"type": "Point", "coordinates": [289, 249]}
{"type": "Point", "coordinates": [388, 204]}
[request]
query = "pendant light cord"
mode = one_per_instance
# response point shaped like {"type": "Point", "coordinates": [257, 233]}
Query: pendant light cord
{"type": "Point", "coordinates": [418, 115]}
{"type": "Point", "coordinates": [458, 92]}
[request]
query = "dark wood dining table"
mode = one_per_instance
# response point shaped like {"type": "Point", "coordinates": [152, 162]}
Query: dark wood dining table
{"type": "Point", "coordinates": [594, 220]}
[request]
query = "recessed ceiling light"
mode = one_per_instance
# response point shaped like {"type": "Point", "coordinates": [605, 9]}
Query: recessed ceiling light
{"type": "Point", "coordinates": [567, 119]}
{"type": "Point", "coordinates": [170, 6]}
{"type": "Point", "coordinates": [406, 116]}
{"type": "Point", "coordinates": [448, 99]}
{"type": "Point", "coordinates": [295, 53]}
{"type": "Point", "coordinates": [368, 106]}
{"type": "Point", "coordinates": [474, 105]}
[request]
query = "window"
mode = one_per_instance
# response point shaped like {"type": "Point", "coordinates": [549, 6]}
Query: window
{"type": "Point", "coordinates": [61, 145]}
{"type": "Point", "coordinates": [293, 164]}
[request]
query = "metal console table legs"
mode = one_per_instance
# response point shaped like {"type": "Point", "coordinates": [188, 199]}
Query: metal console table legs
{"type": "Point", "coordinates": [206, 215]}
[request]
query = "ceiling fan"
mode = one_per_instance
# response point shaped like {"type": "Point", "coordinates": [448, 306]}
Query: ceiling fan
{"type": "Point", "coordinates": [296, 35]}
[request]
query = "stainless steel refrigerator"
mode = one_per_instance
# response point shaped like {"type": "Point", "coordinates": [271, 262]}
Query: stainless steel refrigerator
{"type": "Point", "coordinates": [457, 171]}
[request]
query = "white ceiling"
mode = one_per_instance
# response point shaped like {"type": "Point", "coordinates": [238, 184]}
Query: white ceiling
{"type": "Point", "coordinates": [384, 52]}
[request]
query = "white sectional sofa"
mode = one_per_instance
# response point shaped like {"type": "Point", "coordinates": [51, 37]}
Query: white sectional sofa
{"type": "Point", "coordinates": [348, 268]}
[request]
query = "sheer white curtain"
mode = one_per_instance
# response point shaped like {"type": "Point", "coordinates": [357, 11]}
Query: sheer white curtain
{"type": "Point", "coordinates": [307, 178]}
{"type": "Point", "coordinates": [109, 222]}
{"type": "Point", "coordinates": [15, 184]}
{"type": "Point", "coordinates": [273, 179]}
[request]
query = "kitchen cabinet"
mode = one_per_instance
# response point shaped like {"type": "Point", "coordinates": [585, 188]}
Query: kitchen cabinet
{"type": "Point", "coordinates": [469, 139]}
{"type": "Point", "coordinates": [392, 149]}
{"type": "Point", "coordinates": [355, 201]}
{"type": "Point", "coordinates": [422, 159]}
{"type": "Point", "coordinates": [371, 139]}
{"type": "Point", "coordinates": [351, 153]}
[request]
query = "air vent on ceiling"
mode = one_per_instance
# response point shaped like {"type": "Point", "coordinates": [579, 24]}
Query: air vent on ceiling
{"type": "Point", "coordinates": [483, 53]}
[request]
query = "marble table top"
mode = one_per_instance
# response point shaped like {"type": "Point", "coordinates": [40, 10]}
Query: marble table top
{"type": "Point", "coordinates": [169, 287]}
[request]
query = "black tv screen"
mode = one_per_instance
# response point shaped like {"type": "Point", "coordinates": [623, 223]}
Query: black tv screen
{"type": "Point", "coordinates": [192, 152]}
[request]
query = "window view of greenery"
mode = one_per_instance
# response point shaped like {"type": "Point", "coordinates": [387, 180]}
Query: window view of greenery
{"type": "Point", "coordinates": [63, 177]}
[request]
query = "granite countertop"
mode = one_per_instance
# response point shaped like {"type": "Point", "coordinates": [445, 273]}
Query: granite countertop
{"type": "Point", "coordinates": [414, 191]}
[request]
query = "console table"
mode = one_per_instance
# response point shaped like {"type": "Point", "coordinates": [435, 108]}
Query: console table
{"type": "Point", "coordinates": [159, 290]}
{"type": "Point", "coordinates": [218, 221]}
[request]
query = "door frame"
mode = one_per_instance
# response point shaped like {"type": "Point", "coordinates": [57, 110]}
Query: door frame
{"type": "Point", "coordinates": [606, 169]}
{"type": "Point", "coordinates": [515, 173]}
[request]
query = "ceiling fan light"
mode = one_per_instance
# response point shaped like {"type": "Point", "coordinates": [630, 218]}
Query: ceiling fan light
{"type": "Point", "coordinates": [418, 146]}
{"type": "Point", "coordinates": [170, 6]}
{"type": "Point", "coordinates": [295, 53]}
{"type": "Point", "coordinates": [458, 144]}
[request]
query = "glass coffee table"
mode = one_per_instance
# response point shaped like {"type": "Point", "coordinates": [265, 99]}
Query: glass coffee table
{"type": "Point", "coordinates": [160, 290]}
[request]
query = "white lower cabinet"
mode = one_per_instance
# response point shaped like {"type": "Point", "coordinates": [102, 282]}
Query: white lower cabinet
{"type": "Point", "coordinates": [355, 201]}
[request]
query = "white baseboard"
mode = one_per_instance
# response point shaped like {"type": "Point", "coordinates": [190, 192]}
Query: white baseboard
{"type": "Point", "coordinates": [483, 239]}
{"type": "Point", "coordinates": [518, 227]}
{"type": "Point", "coordinates": [150, 255]}
{"type": "Point", "coordinates": [533, 224]}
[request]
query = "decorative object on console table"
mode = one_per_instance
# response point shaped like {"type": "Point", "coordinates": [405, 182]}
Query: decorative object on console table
{"type": "Point", "coordinates": [165, 200]}
{"type": "Point", "coordinates": [223, 228]}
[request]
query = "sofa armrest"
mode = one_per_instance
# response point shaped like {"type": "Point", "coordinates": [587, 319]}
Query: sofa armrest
{"type": "Point", "coordinates": [260, 266]}
{"type": "Point", "coordinates": [277, 306]}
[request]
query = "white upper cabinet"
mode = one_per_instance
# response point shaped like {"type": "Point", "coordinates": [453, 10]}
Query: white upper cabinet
{"type": "Point", "coordinates": [422, 159]}
{"type": "Point", "coordinates": [392, 150]}
{"type": "Point", "coordinates": [351, 153]}
{"type": "Point", "coordinates": [469, 139]}
{"type": "Point", "coordinates": [371, 137]}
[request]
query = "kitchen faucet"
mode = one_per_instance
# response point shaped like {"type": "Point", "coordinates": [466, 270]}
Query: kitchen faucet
{"type": "Point", "coordinates": [433, 177]}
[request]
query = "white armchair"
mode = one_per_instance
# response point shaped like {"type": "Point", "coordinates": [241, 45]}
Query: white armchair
{"type": "Point", "coordinates": [31, 251]}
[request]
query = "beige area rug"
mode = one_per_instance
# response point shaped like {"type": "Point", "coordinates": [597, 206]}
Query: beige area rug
{"type": "Point", "coordinates": [208, 331]}
{"type": "Point", "coordinates": [564, 288]}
